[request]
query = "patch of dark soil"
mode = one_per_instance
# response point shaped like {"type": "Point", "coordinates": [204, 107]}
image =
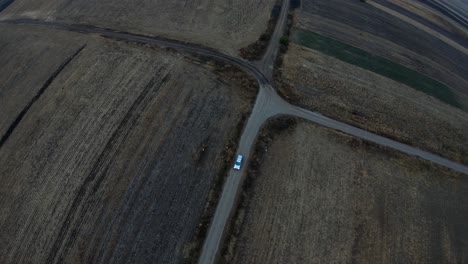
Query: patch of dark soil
{"type": "Point", "coordinates": [295, 4]}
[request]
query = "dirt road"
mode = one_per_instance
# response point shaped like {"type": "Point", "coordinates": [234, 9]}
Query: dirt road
{"type": "Point", "coordinates": [267, 63]}
{"type": "Point", "coordinates": [268, 104]}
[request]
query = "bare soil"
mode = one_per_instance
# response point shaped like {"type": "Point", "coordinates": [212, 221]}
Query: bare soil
{"type": "Point", "coordinates": [319, 196]}
{"type": "Point", "coordinates": [372, 102]}
{"type": "Point", "coordinates": [116, 159]}
{"type": "Point", "coordinates": [225, 25]}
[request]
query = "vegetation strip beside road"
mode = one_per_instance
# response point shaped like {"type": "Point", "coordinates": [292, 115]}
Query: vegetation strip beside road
{"type": "Point", "coordinates": [377, 64]}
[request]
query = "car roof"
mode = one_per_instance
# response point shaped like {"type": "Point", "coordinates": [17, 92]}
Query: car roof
{"type": "Point", "coordinates": [239, 157]}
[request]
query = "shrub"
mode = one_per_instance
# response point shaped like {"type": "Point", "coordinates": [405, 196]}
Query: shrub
{"type": "Point", "coordinates": [284, 41]}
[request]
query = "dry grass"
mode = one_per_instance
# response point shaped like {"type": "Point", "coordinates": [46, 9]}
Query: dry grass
{"type": "Point", "coordinates": [116, 159]}
{"type": "Point", "coordinates": [375, 103]}
{"type": "Point", "coordinates": [323, 197]}
{"type": "Point", "coordinates": [225, 25]}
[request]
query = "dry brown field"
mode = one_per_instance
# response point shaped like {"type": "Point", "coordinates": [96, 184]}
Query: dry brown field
{"type": "Point", "coordinates": [319, 196]}
{"type": "Point", "coordinates": [115, 161]}
{"type": "Point", "coordinates": [375, 103]}
{"type": "Point", "coordinates": [225, 25]}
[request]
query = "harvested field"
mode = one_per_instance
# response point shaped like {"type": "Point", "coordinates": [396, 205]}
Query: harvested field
{"type": "Point", "coordinates": [115, 161]}
{"type": "Point", "coordinates": [22, 77]}
{"type": "Point", "coordinates": [373, 102]}
{"type": "Point", "coordinates": [324, 197]}
{"type": "Point", "coordinates": [366, 27]}
{"type": "Point", "coordinates": [225, 25]}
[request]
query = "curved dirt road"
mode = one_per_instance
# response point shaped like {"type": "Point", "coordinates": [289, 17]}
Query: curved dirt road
{"type": "Point", "coordinates": [268, 104]}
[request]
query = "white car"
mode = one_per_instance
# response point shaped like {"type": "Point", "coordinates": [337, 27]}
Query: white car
{"type": "Point", "coordinates": [238, 163]}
